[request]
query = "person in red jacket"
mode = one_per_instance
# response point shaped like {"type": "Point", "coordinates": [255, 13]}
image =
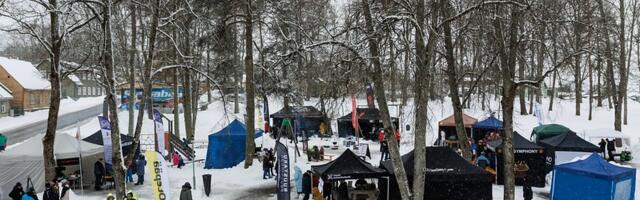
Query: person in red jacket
{"type": "Point", "coordinates": [398, 135]}
{"type": "Point", "coordinates": [381, 136]}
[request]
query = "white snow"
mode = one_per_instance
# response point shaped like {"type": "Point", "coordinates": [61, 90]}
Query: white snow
{"type": "Point", "coordinates": [24, 73]}
{"type": "Point", "coordinates": [75, 79]}
{"type": "Point", "coordinates": [4, 92]}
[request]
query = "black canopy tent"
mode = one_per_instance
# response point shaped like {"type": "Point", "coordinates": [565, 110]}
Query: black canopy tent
{"type": "Point", "coordinates": [447, 176]}
{"type": "Point", "coordinates": [348, 166]}
{"type": "Point", "coordinates": [369, 119]}
{"type": "Point", "coordinates": [310, 118]}
{"type": "Point", "coordinates": [524, 151]}
{"type": "Point", "coordinates": [127, 141]}
{"type": "Point", "coordinates": [568, 142]}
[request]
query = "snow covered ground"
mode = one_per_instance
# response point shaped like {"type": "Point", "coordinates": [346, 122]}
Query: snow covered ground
{"type": "Point", "coordinates": [240, 183]}
{"type": "Point", "coordinates": [67, 105]}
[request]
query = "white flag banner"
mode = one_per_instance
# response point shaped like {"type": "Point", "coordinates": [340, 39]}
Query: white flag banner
{"type": "Point", "coordinates": [539, 114]}
{"type": "Point", "coordinates": [105, 128]}
{"type": "Point", "coordinates": [157, 119]}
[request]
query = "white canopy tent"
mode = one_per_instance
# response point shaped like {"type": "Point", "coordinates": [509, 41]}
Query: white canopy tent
{"type": "Point", "coordinates": [24, 160]}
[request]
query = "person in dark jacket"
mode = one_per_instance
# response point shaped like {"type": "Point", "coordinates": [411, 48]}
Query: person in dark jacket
{"type": "Point", "coordinates": [99, 172]}
{"type": "Point", "coordinates": [343, 191]}
{"type": "Point", "coordinates": [603, 148]}
{"type": "Point", "coordinates": [326, 190]}
{"type": "Point", "coordinates": [65, 191]}
{"type": "Point", "coordinates": [185, 193]}
{"type": "Point", "coordinates": [140, 164]}
{"type": "Point", "coordinates": [527, 194]}
{"type": "Point", "coordinates": [266, 168]}
{"type": "Point", "coordinates": [611, 147]}
{"type": "Point", "coordinates": [31, 194]}
{"type": "Point", "coordinates": [17, 192]}
{"type": "Point", "coordinates": [306, 185]}
{"type": "Point", "coordinates": [50, 193]}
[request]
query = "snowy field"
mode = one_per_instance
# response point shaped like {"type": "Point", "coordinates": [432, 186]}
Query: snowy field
{"type": "Point", "coordinates": [240, 183]}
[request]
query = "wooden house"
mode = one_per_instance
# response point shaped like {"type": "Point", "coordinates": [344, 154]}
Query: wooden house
{"type": "Point", "coordinates": [29, 89]}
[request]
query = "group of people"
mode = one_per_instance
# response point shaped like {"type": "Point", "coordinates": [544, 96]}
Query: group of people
{"type": "Point", "coordinates": [52, 191]}
{"type": "Point", "coordinates": [129, 196]}
{"type": "Point", "coordinates": [306, 184]}
{"type": "Point", "coordinates": [384, 145]}
{"type": "Point", "coordinates": [315, 153]}
{"type": "Point", "coordinates": [137, 167]}
{"type": "Point", "coordinates": [268, 158]}
{"type": "Point", "coordinates": [608, 146]}
{"type": "Point", "coordinates": [177, 160]}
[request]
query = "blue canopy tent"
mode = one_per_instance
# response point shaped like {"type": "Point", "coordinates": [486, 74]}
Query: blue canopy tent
{"type": "Point", "coordinates": [227, 146]}
{"type": "Point", "coordinates": [490, 124]}
{"type": "Point", "coordinates": [594, 178]}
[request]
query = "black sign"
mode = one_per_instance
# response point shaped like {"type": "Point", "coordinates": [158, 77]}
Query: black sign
{"type": "Point", "coordinates": [284, 185]}
{"type": "Point", "coordinates": [68, 161]}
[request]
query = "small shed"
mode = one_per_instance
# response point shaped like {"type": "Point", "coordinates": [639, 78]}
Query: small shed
{"type": "Point", "coordinates": [594, 178]}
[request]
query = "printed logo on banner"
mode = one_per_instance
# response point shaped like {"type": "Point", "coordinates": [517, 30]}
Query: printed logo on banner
{"type": "Point", "coordinates": [283, 172]}
{"type": "Point", "coordinates": [157, 118]}
{"type": "Point", "coordinates": [159, 176]}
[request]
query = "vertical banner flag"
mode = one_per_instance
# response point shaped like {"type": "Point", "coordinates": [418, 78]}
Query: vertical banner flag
{"type": "Point", "coordinates": [370, 101]}
{"type": "Point", "coordinates": [284, 184]}
{"type": "Point", "coordinates": [538, 112]}
{"type": "Point", "coordinates": [354, 113]}
{"type": "Point", "coordinates": [158, 174]}
{"type": "Point", "coordinates": [157, 120]}
{"type": "Point", "coordinates": [105, 128]}
{"type": "Point", "coordinates": [266, 115]}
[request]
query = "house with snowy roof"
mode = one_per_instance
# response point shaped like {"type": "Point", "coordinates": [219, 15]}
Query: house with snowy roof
{"type": "Point", "coordinates": [79, 82]}
{"type": "Point", "coordinates": [29, 90]}
{"type": "Point", "coordinates": [5, 97]}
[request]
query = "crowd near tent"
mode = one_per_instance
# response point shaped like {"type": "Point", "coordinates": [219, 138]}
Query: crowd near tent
{"type": "Point", "coordinates": [548, 130]}
{"type": "Point", "coordinates": [447, 176]}
{"type": "Point", "coordinates": [25, 160]}
{"type": "Point", "coordinates": [126, 140]}
{"type": "Point", "coordinates": [347, 166]}
{"type": "Point", "coordinates": [566, 147]}
{"type": "Point", "coordinates": [486, 126]}
{"type": "Point", "coordinates": [227, 147]}
{"type": "Point", "coordinates": [448, 127]}
{"type": "Point", "coordinates": [524, 151]}
{"type": "Point", "coordinates": [304, 118]}
{"type": "Point", "coordinates": [369, 121]}
{"type": "Point", "coordinates": [594, 178]}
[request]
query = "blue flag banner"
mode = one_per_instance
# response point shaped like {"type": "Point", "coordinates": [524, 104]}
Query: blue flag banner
{"type": "Point", "coordinates": [105, 128]}
{"type": "Point", "coordinates": [284, 185]}
{"type": "Point", "coordinates": [157, 120]}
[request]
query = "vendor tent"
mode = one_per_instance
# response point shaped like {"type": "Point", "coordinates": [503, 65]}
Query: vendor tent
{"type": "Point", "coordinates": [490, 124]}
{"type": "Point", "coordinates": [564, 148]}
{"type": "Point", "coordinates": [24, 160]}
{"type": "Point", "coordinates": [447, 176]}
{"type": "Point", "coordinates": [595, 135]}
{"type": "Point", "coordinates": [126, 140]}
{"type": "Point", "coordinates": [524, 151]}
{"type": "Point", "coordinates": [369, 121]}
{"type": "Point", "coordinates": [448, 127]}
{"type": "Point", "coordinates": [548, 130]}
{"type": "Point", "coordinates": [227, 146]}
{"type": "Point", "coordinates": [306, 118]}
{"type": "Point", "coordinates": [347, 166]}
{"type": "Point", "coordinates": [594, 178]}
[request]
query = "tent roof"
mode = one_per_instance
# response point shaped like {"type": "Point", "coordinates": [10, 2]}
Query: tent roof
{"type": "Point", "coordinates": [304, 111]}
{"type": "Point", "coordinates": [490, 122]}
{"type": "Point", "coordinates": [549, 130]}
{"type": "Point", "coordinates": [569, 142]}
{"type": "Point", "coordinates": [96, 138]}
{"type": "Point", "coordinates": [442, 164]}
{"type": "Point", "coordinates": [65, 146]}
{"type": "Point", "coordinates": [596, 166]}
{"type": "Point", "coordinates": [467, 120]}
{"type": "Point", "coordinates": [519, 142]}
{"type": "Point", "coordinates": [347, 166]}
{"type": "Point", "coordinates": [234, 128]}
{"type": "Point", "coordinates": [366, 114]}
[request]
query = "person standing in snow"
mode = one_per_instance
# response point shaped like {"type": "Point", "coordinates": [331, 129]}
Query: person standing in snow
{"type": "Point", "coordinates": [130, 172]}
{"type": "Point", "coordinates": [343, 191]}
{"type": "Point", "coordinates": [99, 172]}
{"type": "Point", "coordinates": [3, 142]}
{"type": "Point", "coordinates": [266, 172]}
{"type": "Point", "coordinates": [175, 159]}
{"type": "Point", "coordinates": [611, 147]}
{"type": "Point", "coordinates": [603, 148]}
{"type": "Point", "coordinates": [527, 193]}
{"type": "Point", "coordinates": [326, 190]}
{"type": "Point", "coordinates": [306, 185]}
{"type": "Point", "coordinates": [140, 164]}
{"type": "Point", "coordinates": [17, 192]}
{"type": "Point", "coordinates": [49, 193]}
{"type": "Point", "coordinates": [185, 193]}
{"type": "Point", "coordinates": [384, 149]}
{"type": "Point", "coordinates": [297, 178]}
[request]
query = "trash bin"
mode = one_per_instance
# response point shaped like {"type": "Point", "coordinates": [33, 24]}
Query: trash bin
{"type": "Point", "coordinates": [206, 180]}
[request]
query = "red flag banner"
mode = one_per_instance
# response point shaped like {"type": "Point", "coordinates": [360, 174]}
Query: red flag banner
{"type": "Point", "coordinates": [354, 113]}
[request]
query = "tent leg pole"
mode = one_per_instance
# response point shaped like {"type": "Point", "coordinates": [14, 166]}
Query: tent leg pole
{"type": "Point", "coordinates": [388, 187]}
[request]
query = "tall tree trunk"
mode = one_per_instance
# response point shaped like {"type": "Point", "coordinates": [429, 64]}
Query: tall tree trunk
{"type": "Point", "coordinates": [132, 68]}
{"type": "Point", "coordinates": [599, 74]}
{"type": "Point", "coordinates": [555, 74]}
{"type": "Point", "coordinates": [621, 92]}
{"type": "Point", "coordinates": [146, 77]}
{"type": "Point", "coordinates": [378, 82]}
{"type": "Point", "coordinates": [249, 86]}
{"type": "Point", "coordinates": [176, 102]}
{"type": "Point", "coordinates": [54, 97]}
{"type": "Point", "coordinates": [118, 165]}
{"type": "Point", "coordinates": [452, 80]}
{"type": "Point", "coordinates": [521, 91]}
{"type": "Point", "coordinates": [186, 84]}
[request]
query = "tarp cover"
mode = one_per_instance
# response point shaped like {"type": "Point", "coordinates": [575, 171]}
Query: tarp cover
{"type": "Point", "coordinates": [347, 166]}
{"type": "Point", "coordinates": [596, 178]}
{"type": "Point", "coordinates": [490, 122]}
{"type": "Point", "coordinates": [548, 130]}
{"type": "Point", "coordinates": [568, 142]}
{"type": "Point", "coordinates": [467, 120]}
{"type": "Point", "coordinates": [227, 146]}
{"type": "Point", "coordinates": [96, 138]}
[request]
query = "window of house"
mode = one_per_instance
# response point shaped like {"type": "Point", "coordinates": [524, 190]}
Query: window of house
{"type": "Point", "coordinates": [84, 91]}
{"type": "Point", "coordinates": [93, 91]}
{"type": "Point", "coordinates": [3, 107]}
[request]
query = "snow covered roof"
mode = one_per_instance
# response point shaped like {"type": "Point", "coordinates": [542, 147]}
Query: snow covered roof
{"type": "Point", "coordinates": [5, 93]}
{"type": "Point", "coordinates": [25, 73]}
{"type": "Point", "coordinates": [75, 79]}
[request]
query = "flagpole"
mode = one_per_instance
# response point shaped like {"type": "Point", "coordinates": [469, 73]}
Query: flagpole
{"type": "Point", "coordinates": [80, 152]}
